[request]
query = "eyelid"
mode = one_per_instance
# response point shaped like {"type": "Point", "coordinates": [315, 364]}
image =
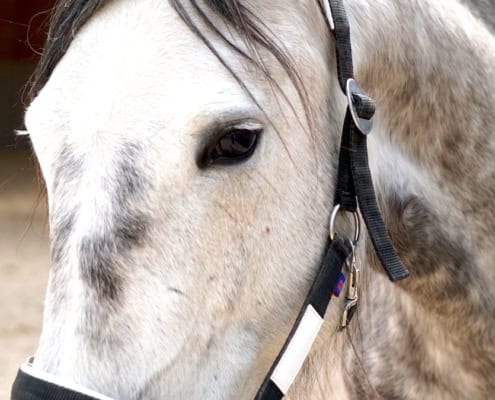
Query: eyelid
{"type": "Point", "coordinates": [216, 131]}
{"type": "Point", "coordinates": [248, 125]}
{"type": "Point", "coordinates": [244, 124]}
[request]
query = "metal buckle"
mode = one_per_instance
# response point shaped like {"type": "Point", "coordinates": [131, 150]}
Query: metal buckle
{"type": "Point", "coordinates": [352, 295]}
{"type": "Point", "coordinates": [364, 125]}
{"type": "Point", "coordinates": [357, 224]}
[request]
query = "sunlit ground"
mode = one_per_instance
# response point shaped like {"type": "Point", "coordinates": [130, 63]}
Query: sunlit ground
{"type": "Point", "coordinates": [24, 261]}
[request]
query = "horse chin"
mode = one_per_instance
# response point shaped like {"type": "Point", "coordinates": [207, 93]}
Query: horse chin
{"type": "Point", "coordinates": [156, 347]}
{"type": "Point", "coordinates": [135, 368]}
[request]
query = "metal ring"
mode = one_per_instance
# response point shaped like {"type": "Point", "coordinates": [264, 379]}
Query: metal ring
{"type": "Point", "coordinates": [357, 224]}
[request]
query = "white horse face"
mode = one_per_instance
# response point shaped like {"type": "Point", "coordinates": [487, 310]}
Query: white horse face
{"type": "Point", "coordinates": [176, 275]}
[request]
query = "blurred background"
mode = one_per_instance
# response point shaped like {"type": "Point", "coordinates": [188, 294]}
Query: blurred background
{"type": "Point", "coordinates": [24, 255]}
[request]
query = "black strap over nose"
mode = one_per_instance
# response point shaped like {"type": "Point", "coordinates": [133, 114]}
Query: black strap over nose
{"type": "Point", "coordinates": [30, 387]}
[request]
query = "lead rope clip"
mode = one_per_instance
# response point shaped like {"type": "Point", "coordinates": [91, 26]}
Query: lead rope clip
{"type": "Point", "coordinates": [352, 296]}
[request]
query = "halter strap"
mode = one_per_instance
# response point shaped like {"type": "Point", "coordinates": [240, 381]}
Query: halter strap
{"type": "Point", "coordinates": [354, 192]}
{"type": "Point", "coordinates": [31, 384]}
{"type": "Point", "coordinates": [354, 183]}
{"type": "Point", "coordinates": [297, 346]}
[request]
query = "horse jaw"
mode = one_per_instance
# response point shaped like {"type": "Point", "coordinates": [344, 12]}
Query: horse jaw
{"type": "Point", "coordinates": [170, 281]}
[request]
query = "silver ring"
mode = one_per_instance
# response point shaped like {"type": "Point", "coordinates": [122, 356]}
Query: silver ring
{"type": "Point", "coordinates": [357, 224]}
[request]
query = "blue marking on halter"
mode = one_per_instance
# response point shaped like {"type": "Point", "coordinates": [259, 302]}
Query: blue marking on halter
{"type": "Point", "coordinates": [340, 285]}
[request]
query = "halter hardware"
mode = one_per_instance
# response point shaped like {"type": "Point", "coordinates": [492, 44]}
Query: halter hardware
{"type": "Point", "coordinates": [333, 220]}
{"type": "Point", "coordinates": [361, 107]}
{"type": "Point", "coordinates": [352, 297]}
{"type": "Point", "coordinates": [354, 194]}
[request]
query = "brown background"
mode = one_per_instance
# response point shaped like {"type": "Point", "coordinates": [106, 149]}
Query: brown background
{"type": "Point", "coordinates": [24, 257]}
{"type": "Point", "coordinates": [23, 25]}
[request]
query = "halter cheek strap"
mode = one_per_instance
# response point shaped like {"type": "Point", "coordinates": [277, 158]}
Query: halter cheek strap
{"type": "Point", "coordinates": [354, 193]}
{"type": "Point", "coordinates": [354, 184]}
{"type": "Point", "coordinates": [305, 330]}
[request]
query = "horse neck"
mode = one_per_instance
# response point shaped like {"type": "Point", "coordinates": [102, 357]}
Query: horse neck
{"type": "Point", "coordinates": [429, 66]}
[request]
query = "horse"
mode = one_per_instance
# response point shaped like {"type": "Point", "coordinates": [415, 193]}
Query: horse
{"type": "Point", "coordinates": [189, 151]}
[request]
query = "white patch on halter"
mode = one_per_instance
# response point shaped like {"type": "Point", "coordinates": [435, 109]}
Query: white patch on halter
{"type": "Point", "coordinates": [298, 349]}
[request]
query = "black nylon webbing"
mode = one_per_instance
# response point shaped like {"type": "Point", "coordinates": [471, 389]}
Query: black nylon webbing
{"type": "Point", "coordinates": [27, 387]}
{"type": "Point", "coordinates": [354, 190]}
{"type": "Point", "coordinates": [377, 230]}
{"type": "Point", "coordinates": [354, 182]}
{"type": "Point", "coordinates": [343, 43]}
{"type": "Point", "coordinates": [319, 297]}
{"type": "Point", "coordinates": [345, 192]}
{"type": "Point", "coordinates": [269, 391]}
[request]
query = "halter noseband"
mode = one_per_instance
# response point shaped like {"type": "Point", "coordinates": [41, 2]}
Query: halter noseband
{"type": "Point", "coordinates": [354, 194]}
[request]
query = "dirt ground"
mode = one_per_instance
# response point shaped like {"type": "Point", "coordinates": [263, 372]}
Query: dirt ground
{"type": "Point", "coordinates": [24, 262]}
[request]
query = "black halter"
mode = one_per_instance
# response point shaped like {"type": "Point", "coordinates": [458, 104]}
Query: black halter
{"type": "Point", "coordinates": [354, 193]}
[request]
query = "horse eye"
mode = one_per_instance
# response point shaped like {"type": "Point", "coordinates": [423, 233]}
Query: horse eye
{"type": "Point", "coordinates": [234, 146]}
